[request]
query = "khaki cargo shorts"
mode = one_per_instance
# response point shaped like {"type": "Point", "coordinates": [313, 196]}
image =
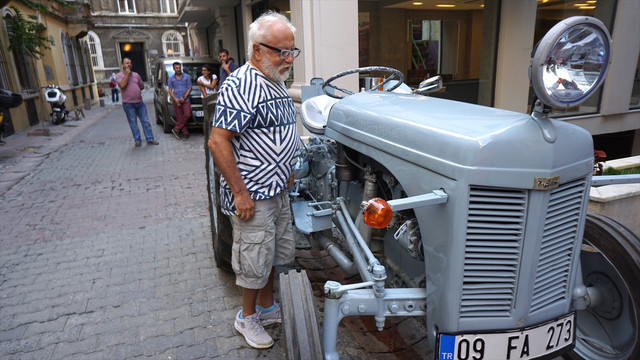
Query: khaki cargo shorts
{"type": "Point", "coordinates": [262, 242]}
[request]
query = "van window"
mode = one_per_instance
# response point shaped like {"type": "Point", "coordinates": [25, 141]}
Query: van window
{"type": "Point", "coordinates": [193, 69]}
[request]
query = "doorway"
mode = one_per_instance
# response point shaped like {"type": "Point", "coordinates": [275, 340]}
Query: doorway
{"type": "Point", "coordinates": [135, 52]}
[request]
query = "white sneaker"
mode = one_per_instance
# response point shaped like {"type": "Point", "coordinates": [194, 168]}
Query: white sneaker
{"type": "Point", "coordinates": [271, 317]}
{"type": "Point", "coordinates": [253, 332]}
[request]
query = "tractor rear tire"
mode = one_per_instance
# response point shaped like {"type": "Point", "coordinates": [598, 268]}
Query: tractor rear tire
{"type": "Point", "coordinates": [610, 260]}
{"type": "Point", "coordinates": [221, 229]}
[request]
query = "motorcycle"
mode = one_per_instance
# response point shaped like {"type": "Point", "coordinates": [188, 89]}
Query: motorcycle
{"type": "Point", "coordinates": [8, 100]}
{"type": "Point", "coordinates": [55, 97]}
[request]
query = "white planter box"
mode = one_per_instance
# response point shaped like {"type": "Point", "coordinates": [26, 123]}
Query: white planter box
{"type": "Point", "coordinates": [619, 202]}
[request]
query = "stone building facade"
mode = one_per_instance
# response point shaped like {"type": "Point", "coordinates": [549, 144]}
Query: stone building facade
{"type": "Point", "coordinates": [143, 30]}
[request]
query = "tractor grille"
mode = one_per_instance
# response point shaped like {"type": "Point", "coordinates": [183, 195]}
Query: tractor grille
{"type": "Point", "coordinates": [558, 242]}
{"type": "Point", "coordinates": [494, 242]}
{"type": "Point", "coordinates": [495, 230]}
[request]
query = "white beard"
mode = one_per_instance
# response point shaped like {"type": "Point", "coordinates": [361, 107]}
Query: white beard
{"type": "Point", "coordinates": [273, 72]}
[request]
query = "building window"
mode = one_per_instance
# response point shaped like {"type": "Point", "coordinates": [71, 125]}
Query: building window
{"type": "Point", "coordinates": [95, 49]}
{"type": "Point", "coordinates": [172, 44]}
{"type": "Point", "coordinates": [25, 66]}
{"type": "Point", "coordinates": [168, 6]}
{"type": "Point", "coordinates": [88, 66]}
{"type": "Point", "coordinates": [71, 59]}
{"type": "Point", "coordinates": [5, 73]}
{"type": "Point", "coordinates": [127, 6]}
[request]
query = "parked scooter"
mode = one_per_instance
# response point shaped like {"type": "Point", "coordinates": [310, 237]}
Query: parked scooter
{"type": "Point", "coordinates": [56, 98]}
{"type": "Point", "coordinates": [8, 100]}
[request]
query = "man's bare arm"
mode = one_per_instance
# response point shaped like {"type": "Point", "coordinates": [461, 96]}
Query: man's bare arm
{"type": "Point", "coordinates": [220, 146]}
{"type": "Point", "coordinates": [125, 80]}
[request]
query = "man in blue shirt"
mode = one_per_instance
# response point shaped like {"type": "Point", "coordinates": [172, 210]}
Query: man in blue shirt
{"type": "Point", "coordinates": [179, 90]}
{"type": "Point", "coordinates": [227, 65]}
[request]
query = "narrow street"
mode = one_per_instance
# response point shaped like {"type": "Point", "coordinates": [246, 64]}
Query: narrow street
{"type": "Point", "coordinates": [105, 248]}
{"type": "Point", "coordinates": [105, 253]}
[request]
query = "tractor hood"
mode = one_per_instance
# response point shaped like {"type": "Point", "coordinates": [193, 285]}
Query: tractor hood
{"type": "Point", "coordinates": [447, 136]}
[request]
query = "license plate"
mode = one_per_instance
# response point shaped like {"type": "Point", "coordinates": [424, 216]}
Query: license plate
{"type": "Point", "coordinates": [528, 343]}
{"type": "Point", "coordinates": [199, 113]}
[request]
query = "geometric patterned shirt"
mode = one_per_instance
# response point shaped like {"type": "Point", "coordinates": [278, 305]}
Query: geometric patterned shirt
{"type": "Point", "coordinates": [263, 115]}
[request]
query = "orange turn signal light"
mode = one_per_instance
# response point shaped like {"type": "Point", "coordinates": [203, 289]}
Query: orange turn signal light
{"type": "Point", "coordinates": [377, 213]}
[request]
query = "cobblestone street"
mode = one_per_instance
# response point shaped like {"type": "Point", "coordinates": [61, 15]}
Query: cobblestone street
{"type": "Point", "coordinates": [105, 249]}
{"type": "Point", "coordinates": [105, 253]}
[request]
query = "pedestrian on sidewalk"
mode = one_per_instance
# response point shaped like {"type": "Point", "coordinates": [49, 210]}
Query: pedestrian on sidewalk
{"type": "Point", "coordinates": [115, 92]}
{"type": "Point", "coordinates": [254, 113]}
{"type": "Point", "coordinates": [131, 84]}
{"type": "Point", "coordinates": [179, 89]}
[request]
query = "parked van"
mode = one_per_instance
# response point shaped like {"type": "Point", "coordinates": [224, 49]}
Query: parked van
{"type": "Point", "coordinates": [162, 102]}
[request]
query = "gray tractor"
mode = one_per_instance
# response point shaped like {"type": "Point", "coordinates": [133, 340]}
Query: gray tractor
{"type": "Point", "coordinates": [445, 213]}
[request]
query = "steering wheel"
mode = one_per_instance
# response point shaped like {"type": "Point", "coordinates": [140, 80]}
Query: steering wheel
{"type": "Point", "coordinates": [394, 73]}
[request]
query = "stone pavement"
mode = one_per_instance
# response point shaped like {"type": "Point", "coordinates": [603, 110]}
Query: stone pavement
{"type": "Point", "coordinates": [105, 253]}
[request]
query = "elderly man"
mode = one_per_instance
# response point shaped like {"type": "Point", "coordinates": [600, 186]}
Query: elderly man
{"type": "Point", "coordinates": [254, 140]}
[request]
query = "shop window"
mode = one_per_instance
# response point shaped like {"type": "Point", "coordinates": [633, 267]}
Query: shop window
{"type": "Point", "coordinates": [549, 13]}
{"type": "Point", "coordinates": [424, 40]}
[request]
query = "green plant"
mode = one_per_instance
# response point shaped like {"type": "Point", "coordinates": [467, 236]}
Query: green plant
{"type": "Point", "coordinates": [25, 38]}
{"type": "Point", "coordinates": [627, 171]}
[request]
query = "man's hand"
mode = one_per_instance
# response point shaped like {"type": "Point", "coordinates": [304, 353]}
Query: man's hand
{"type": "Point", "coordinates": [290, 181]}
{"type": "Point", "coordinates": [225, 66]}
{"type": "Point", "coordinates": [245, 208]}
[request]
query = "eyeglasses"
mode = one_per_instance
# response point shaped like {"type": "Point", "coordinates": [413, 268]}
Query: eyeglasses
{"type": "Point", "coordinates": [284, 53]}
